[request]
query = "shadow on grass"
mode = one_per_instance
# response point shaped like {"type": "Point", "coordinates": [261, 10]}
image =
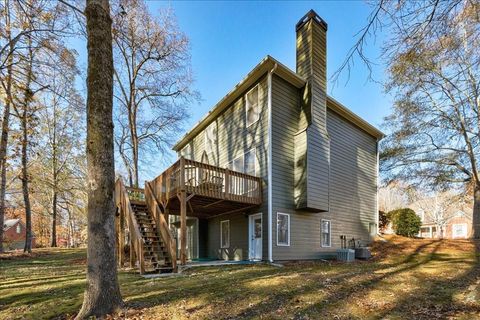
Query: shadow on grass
{"type": "Point", "coordinates": [209, 291]}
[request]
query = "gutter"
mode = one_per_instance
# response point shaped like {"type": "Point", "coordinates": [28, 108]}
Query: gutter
{"type": "Point", "coordinates": [269, 168]}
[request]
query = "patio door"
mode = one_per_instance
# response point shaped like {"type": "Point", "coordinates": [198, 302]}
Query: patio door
{"type": "Point", "coordinates": [255, 234]}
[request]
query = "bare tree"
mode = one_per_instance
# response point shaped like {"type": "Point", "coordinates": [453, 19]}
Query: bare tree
{"type": "Point", "coordinates": [438, 208]}
{"type": "Point", "coordinates": [25, 110]}
{"type": "Point", "coordinates": [399, 20]}
{"type": "Point", "coordinates": [435, 123]}
{"type": "Point", "coordinates": [102, 295]}
{"type": "Point", "coordinates": [27, 24]}
{"type": "Point", "coordinates": [6, 82]}
{"type": "Point", "coordinates": [153, 81]}
{"type": "Point", "coordinates": [393, 196]}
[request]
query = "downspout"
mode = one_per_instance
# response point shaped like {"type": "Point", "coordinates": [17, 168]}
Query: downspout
{"type": "Point", "coordinates": [269, 167]}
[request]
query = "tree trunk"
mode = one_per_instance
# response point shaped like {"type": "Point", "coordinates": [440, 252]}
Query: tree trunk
{"type": "Point", "coordinates": [476, 211]}
{"type": "Point", "coordinates": [28, 95]}
{"type": "Point", "coordinates": [54, 178]}
{"type": "Point", "coordinates": [5, 127]}
{"type": "Point", "coordinates": [26, 196]}
{"type": "Point", "coordinates": [102, 294]}
{"type": "Point", "coordinates": [54, 218]}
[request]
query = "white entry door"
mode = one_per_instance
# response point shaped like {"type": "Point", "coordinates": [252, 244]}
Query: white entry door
{"type": "Point", "coordinates": [255, 233]}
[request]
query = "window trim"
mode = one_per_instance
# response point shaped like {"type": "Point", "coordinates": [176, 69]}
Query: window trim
{"type": "Point", "coordinates": [221, 234]}
{"type": "Point", "coordinates": [229, 164]}
{"type": "Point", "coordinates": [329, 233]}
{"type": "Point", "coordinates": [257, 86]}
{"type": "Point", "coordinates": [18, 228]}
{"type": "Point", "coordinates": [288, 230]}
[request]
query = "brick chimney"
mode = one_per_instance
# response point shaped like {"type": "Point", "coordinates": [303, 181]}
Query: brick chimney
{"type": "Point", "coordinates": [312, 145]}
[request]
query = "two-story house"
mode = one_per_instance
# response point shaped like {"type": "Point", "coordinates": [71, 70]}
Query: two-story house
{"type": "Point", "coordinates": [277, 170]}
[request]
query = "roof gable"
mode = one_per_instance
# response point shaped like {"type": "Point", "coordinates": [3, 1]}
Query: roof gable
{"type": "Point", "coordinates": [10, 223]}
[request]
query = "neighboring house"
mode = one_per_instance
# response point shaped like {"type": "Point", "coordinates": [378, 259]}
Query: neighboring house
{"type": "Point", "coordinates": [14, 233]}
{"type": "Point", "coordinates": [277, 170]}
{"type": "Point", "coordinates": [320, 171]}
{"type": "Point", "coordinates": [456, 225]}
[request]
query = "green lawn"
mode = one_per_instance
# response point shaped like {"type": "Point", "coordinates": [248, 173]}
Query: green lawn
{"type": "Point", "coordinates": [414, 279]}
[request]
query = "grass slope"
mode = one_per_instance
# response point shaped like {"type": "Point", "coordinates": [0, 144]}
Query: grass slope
{"type": "Point", "coordinates": [414, 279]}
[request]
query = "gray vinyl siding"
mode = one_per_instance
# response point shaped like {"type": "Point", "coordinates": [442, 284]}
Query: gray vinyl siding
{"type": "Point", "coordinates": [352, 180]}
{"type": "Point", "coordinates": [304, 226]}
{"type": "Point", "coordinates": [238, 249]}
{"type": "Point", "coordinates": [234, 138]}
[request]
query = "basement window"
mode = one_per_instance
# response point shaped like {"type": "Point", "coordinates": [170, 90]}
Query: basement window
{"type": "Point", "coordinates": [252, 101]}
{"type": "Point", "coordinates": [326, 233]}
{"type": "Point", "coordinates": [283, 229]}
{"type": "Point", "coordinates": [225, 234]}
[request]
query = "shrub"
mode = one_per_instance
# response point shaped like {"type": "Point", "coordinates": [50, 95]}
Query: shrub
{"type": "Point", "coordinates": [405, 222]}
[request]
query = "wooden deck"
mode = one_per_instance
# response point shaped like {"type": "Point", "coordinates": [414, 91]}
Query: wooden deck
{"type": "Point", "coordinates": [208, 190]}
{"type": "Point", "coordinates": [186, 188]}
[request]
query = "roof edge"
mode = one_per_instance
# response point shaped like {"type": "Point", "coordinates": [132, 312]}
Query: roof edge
{"type": "Point", "coordinates": [354, 118]}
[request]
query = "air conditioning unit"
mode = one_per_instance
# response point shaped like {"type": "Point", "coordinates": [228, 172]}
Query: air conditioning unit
{"type": "Point", "coordinates": [347, 255]}
{"type": "Point", "coordinates": [363, 253]}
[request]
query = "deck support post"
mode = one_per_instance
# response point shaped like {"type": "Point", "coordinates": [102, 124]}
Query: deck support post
{"type": "Point", "coordinates": [132, 253]}
{"type": "Point", "coordinates": [121, 239]}
{"type": "Point", "coordinates": [183, 214]}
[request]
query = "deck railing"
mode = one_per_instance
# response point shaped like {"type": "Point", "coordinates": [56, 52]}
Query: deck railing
{"type": "Point", "coordinates": [162, 225]}
{"type": "Point", "coordinates": [207, 180]}
{"type": "Point", "coordinates": [122, 201]}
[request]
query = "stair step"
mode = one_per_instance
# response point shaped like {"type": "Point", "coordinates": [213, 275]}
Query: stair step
{"type": "Point", "coordinates": [164, 270]}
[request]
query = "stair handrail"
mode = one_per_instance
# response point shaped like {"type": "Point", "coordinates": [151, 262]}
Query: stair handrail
{"type": "Point", "coordinates": [123, 201]}
{"type": "Point", "coordinates": [162, 224]}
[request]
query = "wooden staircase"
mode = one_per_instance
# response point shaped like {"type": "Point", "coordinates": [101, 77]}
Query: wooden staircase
{"type": "Point", "coordinates": [155, 254]}
{"type": "Point", "coordinates": [151, 245]}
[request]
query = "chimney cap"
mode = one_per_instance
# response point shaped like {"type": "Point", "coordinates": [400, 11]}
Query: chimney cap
{"type": "Point", "coordinates": [311, 15]}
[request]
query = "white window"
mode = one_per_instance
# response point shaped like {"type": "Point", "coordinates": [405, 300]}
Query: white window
{"type": "Point", "coordinates": [225, 234]}
{"type": "Point", "coordinates": [326, 233]}
{"type": "Point", "coordinates": [19, 228]}
{"type": "Point", "coordinates": [237, 164]}
{"type": "Point", "coordinates": [283, 229]}
{"type": "Point", "coordinates": [459, 230]}
{"type": "Point", "coordinates": [372, 228]}
{"type": "Point", "coordinates": [210, 138]}
{"type": "Point", "coordinates": [246, 163]}
{"type": "Point", "coordinates": [253, 105]}
{"type": "Point", "coordinates": [250, 165]}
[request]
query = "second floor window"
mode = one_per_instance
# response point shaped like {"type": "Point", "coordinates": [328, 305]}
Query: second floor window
{"type": "Point", "coordinates": [253, 105]}
{"type": "Point", "coordinates": [210, 138]}
{"type": "Point", "coordinates": [246, 163]}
